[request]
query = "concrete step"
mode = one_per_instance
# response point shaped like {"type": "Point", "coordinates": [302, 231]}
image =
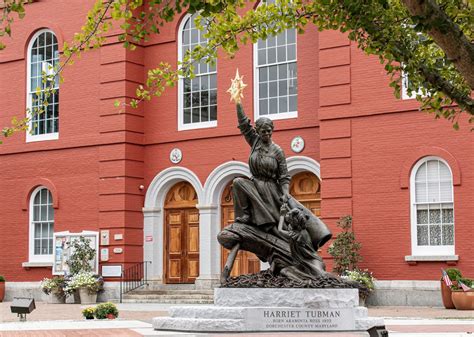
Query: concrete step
{"type": "Point", "coordinates": [170, 297]}
{"type": "Point", "coordinates": [171, 292]}
{"type": "Point", "coordinates": [168, 301]}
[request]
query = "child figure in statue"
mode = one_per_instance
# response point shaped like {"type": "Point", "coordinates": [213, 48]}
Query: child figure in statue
{"type": "Point", "coordinates": [307, 262]}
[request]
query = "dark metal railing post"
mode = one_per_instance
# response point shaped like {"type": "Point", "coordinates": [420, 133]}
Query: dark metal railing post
{"type": "Point", "coordinates": [121, 281]}
{"type": "Point", "coordinates": [133, 277]}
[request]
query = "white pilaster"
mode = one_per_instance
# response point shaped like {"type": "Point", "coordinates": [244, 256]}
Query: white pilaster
{"type": "Point", "coordinates": [209, 248]}
{"type": "Point", "coordinates": [153, 242]}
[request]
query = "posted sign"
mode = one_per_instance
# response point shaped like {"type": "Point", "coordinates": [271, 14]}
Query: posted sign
{"type": "Point", "coordinates": [63, 250]}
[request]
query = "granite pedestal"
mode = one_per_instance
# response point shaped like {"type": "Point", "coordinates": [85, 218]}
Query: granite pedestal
{"type": "Point", "coordinates": [272, 309]}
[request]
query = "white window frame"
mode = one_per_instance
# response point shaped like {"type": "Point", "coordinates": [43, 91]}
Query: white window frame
{"type": "Point", "coordinates": [32, 257]}
{"type": "Point", "coordinates": [409, 95]}
{"type": "Point", "coordinates": [256, 86]}
{"type": "Point", "coordinates": [428, 250]}
{"type": "Point", "coordinates": [29, 136]}
{"type": "Point", "coordinates": [181, 125]}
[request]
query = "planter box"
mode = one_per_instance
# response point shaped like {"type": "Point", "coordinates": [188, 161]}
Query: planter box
{"type": "Point", "coordinates": [56, 298]}
{"type": "Point", "coordinates": [463, 300]}
{"type": "Point", "coordinates": [86, 297]}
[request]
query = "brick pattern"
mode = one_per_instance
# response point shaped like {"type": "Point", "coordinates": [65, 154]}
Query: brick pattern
{"type": "Point", "coordinates": [121, 155]}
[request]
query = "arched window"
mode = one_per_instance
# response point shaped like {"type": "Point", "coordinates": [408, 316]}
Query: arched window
{"type": "Point", "coordinates": [41, 225]}
{"type": "Point", "coordinates": [276, 80]}
{"type": "Point", "coordinates": [432, 208]}
{"type": "Point", "coordinates": [197, 102]}
{"type": "Point", "coordinates": [43, 56]}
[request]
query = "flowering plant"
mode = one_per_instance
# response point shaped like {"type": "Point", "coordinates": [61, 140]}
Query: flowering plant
{"type": "Point", "coordinates": [88, 312]}
{"type": "Point", "coordinates": [53, 285]}
{"type": "Point", "coordinates": [364, 278]}
{"type": "Point", "coordinates": [93, 283]}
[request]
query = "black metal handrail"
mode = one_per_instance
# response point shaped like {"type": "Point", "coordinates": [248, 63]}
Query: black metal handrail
{"type": "Point", "coordinates": [133, 277]}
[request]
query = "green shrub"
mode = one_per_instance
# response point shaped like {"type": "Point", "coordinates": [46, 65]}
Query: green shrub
{"type": "Point", "coordinates": [345, 248]}
{"type": "Point", "coordinates": [453, 273]}
{"type": "Point", "coordinates": [2, 279]}
{"type": "Point", "coordinates": [104, 310]}
{"type": "Point", "coordinates": [466, 281]}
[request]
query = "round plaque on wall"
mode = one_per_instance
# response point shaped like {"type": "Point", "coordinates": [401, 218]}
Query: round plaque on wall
{"type": "Point", "coordinates": [297, 144]}
{"type": "Point", "coordinates": [176, 155]}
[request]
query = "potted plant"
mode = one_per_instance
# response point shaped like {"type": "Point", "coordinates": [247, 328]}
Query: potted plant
{"type": "Point", "coordinates": [453, 274]}
{"type": "Point", "coordinates": [80, 261]}
{"type": "Point", "coordinates": [88, 286]}
{"type": "Point", "coordinates": [106, 310]}
{"type": "Point", "coordinates": [88, 313]}
{"type": "Point", "coordinates": [2, 288]}
{"type": "Point", "coordinates": [54, 287]}
{"type": "Point", "coordinates": [462, 299]}
{"type": "Point", "coordinates": [365, 279]}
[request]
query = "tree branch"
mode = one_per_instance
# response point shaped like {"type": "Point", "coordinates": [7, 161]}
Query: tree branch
{"type": "Point", "coordinates": [446, 34]}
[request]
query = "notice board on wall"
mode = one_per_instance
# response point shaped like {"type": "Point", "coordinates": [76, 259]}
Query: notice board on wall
{"type": "Point", "coordinates": [63, 250]}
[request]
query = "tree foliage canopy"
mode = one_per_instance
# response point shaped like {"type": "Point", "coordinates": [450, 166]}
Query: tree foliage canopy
{"type": "Point", "coordinates": [431, 40]}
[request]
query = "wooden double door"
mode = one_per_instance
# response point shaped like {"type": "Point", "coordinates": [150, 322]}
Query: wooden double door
{"type": "Point", "coordinates": [181, 235]}
{"type": "Point", "coordinates": [304, 187]}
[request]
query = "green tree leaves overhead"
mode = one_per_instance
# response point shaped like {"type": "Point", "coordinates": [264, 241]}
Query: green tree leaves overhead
{"type": "Point", "coordinates": [430, 40]}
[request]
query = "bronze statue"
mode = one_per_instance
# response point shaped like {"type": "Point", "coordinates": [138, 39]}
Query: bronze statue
{"type": "Point", "coordinates": [258, 201]}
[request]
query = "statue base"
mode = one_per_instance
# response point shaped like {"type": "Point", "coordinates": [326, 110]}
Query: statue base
{"type": "Point", "coordinates": [276, 309]}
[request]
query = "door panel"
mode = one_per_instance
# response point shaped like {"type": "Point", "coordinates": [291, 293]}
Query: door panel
{"type": "Point", "coordinates": [181, 235]}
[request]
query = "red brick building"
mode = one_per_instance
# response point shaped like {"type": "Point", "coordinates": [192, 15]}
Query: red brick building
{"type": "Point", "coordinates": [405, 177]}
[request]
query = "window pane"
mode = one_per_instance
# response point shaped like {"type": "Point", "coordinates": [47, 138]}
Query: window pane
{"type": "Point", "coordinates": [291, 36]}
{"type": "Point", "coordinates": [283, 88]}
{"type": "Point", "coordinates": [422, 216]}
{"type": "Point", "coordinates": [271, 55]}
{"type": "Point", "coordinates": [282, 71]}
{"type": "Point", "coordinates": [271, 41]}
{"type": "Point", "coordinates": [273, 107]}
{"type": "Point", "coordinates": [273, 89]}
{"type": "Point", "coordinates": [187, 116]}
{"type": "Point", "coordinates": [204, 114]}
{"type": "Point", "coordinates": [213, 114]}
{"type": "Point", "coordinates": [293, 103]}
{"type": "Point", "coordinates": [283, 104]}
{"type": "Point", "coordinates": [448, 235]}
{"type": "Point", "coordinates": [262, 56]}
{"type": "Point", "coordinates": [263, 107]}
{"type": "Point", "coordinates": [213, 97]}
{"type": "Point", "coordinates": [195, 115]}
{"type": "Point", "coordinates": [273, 73]}
{"type": "Point", "coordinates": [37, 246]}
{"type": "Point", "coordinates": [435, 216]}
{"type": "Point", "coordinates": [44, 246]}
{"type": "Point", "coordinates": [204, 97]}
{"type": "Point", "coordinates": [448, 215]}
{"type": "Point", "coordinates": [262, 90]}
{"type": "Point", "coordinates": [281, 54]}
{"type": "Point", "coordinates": [213, 82]}
{"type": "Point", "coordinates": [422, 235]}
{"type": "Point", "coordinates": [187, 85]}
{"type": "Point", "coordinates": [263, 74]}
{"type": "Point", "coordinates": [291, 52]}
{"type": "Point", "coordinates": [435, 235]}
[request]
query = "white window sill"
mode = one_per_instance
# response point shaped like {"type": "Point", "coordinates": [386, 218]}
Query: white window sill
{"type": "Point", "coordinates": [279, 116]}
{"type": "Point", "coordinates": [194, 126]}
{"type": "Point", "coordinates": [41, 138]}
{"type": "Point", "coordinates": [424, 258]}
{"type": "Point", "coordinates": [36, 264]}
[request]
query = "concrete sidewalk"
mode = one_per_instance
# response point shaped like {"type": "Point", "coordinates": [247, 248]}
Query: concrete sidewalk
{"type": "Point", "coordinates": [135, 320]}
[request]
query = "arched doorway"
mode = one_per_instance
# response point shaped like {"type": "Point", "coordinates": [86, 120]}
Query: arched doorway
{"type": "Point", "coordinates": [245, 262]}
{"type": "Point", "coordinates": [306, 188]}
{"type": "Point", "coordinates": [181, 258]}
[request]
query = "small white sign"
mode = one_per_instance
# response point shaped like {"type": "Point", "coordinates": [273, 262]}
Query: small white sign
{"type": "Point", "coordinates": [297, 144]}
{"type": "Point", "coordinates": [176, 156]}
{"type": "Point", "coordinates": [118, 250]}
{"type": "Point", "coordinates": [111, 271]}
{"type": "Point", "coordinates": [104, 254]}
{"type": "Point", "coordinates": [300, 319]}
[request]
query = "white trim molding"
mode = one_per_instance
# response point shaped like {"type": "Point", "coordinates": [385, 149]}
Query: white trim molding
{"type": "Point", "coordinates": [197, 125]}
{"type": "Point", "coordinates": [29, 90]}
{"type": "Point", "coordinates": [32, 257]}
{"type": "Point", "coordinates": [297, 164]}
{"type": "Point", "coordinates": [153, 215]}
{"type": "Point", "coordinates": [429, 250]}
